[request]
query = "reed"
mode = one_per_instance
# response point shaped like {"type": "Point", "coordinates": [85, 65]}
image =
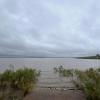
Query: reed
{"type": "Point", "coordinates": [88, 81]}
{"type": "Point", "coordinates": [22, 80]}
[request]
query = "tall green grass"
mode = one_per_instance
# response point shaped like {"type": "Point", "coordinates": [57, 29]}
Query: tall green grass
{"type": "Point", "coordinates": [22, 80]}
{"type": "Point", "coordinates": [88, 81]}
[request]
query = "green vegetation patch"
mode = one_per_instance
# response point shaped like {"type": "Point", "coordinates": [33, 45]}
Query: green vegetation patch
{"type": "Point", "coordinates": [14, 85]}
{"type": "Point", "coordinates": [88, 81]}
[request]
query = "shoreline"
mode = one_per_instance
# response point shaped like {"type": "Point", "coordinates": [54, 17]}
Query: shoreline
{"type": "Point", "coordinates": [53, 94]}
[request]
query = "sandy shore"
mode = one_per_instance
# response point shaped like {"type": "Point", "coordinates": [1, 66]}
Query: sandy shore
{"type": "Point", "coordinates": [54, 94]}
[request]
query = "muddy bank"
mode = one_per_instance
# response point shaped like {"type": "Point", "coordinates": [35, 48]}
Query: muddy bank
{"type": "Point", "coordinates": [55, 94]}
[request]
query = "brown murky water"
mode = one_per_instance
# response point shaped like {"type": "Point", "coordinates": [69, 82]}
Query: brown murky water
{"type": "Point", "coordinates": [46, 65]}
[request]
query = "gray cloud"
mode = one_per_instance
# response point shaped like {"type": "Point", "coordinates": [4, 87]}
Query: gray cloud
{"type": "Point", "coordinates": [49, 27]}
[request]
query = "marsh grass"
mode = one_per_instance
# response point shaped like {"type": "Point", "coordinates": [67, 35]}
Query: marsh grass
{"type": "Point", "coordinates": [88, 81]}
{"type": "Point", "coordinates": [63, 72]}
{"type": "Point", "coordinates": [16, 84]}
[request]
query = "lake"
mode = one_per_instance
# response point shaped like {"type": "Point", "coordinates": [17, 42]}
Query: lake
{"type": "Point", "coordinates": [46, 65]}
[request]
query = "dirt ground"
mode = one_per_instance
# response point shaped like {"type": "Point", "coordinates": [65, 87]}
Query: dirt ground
{"type": "Point", "coordinates": [54, 94]}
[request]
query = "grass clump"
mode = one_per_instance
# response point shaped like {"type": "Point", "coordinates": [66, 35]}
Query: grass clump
{"type": "Point", "coordinates": [17, 82]}
{"type": "Point", "coordinates": [63, 72]}
{"type": "Point", "coordinates": [88, 81]}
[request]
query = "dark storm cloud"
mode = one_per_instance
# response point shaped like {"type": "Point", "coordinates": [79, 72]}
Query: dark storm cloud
{"type": "Point", "coordinates": [49, 27]}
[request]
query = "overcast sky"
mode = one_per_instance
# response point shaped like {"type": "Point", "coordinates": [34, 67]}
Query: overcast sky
{"type": "Point", "coordinates": [49, 27]}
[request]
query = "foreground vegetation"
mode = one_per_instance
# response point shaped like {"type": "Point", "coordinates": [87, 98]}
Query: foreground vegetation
{"type": "Point", "coordinates": [14, 85]}
{"type": "Point", "coordinates": [88, 81]}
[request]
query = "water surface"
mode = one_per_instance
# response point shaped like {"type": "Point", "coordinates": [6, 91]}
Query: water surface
{"type": "Point", "coordinates": [46, 65]}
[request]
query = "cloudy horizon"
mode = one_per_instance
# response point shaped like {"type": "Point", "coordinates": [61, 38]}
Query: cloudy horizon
{"type": "Point", "coordinates": [49, 28]}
